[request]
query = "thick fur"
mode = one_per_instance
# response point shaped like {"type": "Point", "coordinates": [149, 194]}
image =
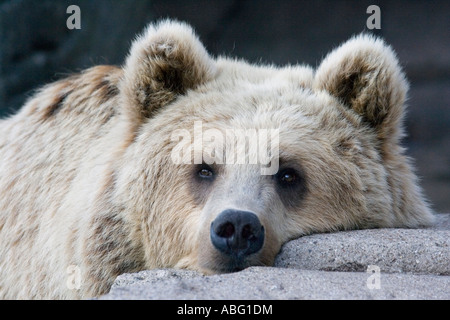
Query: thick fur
{"type": "Point", "coordinates": [86, 177]}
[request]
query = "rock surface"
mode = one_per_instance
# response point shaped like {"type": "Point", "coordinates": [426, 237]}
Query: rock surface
{"type": "Point", "coordinates": [413, 264]}
{"type": "Point", "coordinates": [420, 251]}
{"type": "Point", "coordinates": [269, 283]}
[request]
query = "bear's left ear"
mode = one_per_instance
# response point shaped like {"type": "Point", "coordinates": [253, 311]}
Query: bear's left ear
{"type": "Point", "coordinates": [164, 62]}
{"type": "Point", "coordinates": [364, 74]}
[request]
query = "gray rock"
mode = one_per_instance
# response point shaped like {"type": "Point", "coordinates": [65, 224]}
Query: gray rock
{"type": "Point", "coordinates": [421, 251]}
{"type": "Point", "coordinates": [270, 283]}
{"type": "Point", "coordinates": [413, 264]}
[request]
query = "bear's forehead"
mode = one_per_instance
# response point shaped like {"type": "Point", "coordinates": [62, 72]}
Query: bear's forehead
{"type": "Point", "coordinates": [245, 97]}
{"type": "Point", "coordinates": [272, 103]}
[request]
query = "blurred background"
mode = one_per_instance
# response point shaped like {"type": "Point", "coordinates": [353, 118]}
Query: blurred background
{"type": "Point", "coordinates": [36, 48]}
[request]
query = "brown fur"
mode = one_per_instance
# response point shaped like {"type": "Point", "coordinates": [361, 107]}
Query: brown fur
{"type": "Point", "coordinates": [87, 178]}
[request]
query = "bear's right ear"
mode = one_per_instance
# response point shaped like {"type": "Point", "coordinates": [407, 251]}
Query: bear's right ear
{"type": "Point", "coordinates": [165, 61]}
{"type": "Point", "coordinates": [364, 74]}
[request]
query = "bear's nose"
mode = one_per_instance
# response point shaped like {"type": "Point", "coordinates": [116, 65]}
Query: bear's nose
{"type": "Point", "coordinates": [237, 233]}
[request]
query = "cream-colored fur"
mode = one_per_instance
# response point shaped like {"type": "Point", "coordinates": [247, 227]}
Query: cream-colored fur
{"type": "Point", "coordinates": [87, 180]}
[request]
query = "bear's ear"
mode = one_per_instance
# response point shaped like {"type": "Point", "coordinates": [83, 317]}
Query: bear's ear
{"type": "Point", "coordinates": [165, 61]}
{"type": "Point", "coordinates": [365, 75]}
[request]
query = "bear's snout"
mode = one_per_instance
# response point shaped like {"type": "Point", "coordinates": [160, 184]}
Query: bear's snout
{"type": "Point", "coordinates": [237, 234]}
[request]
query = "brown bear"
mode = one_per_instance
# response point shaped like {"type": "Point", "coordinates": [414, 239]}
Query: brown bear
{"type": "Point", "coordinates": [155, 164]}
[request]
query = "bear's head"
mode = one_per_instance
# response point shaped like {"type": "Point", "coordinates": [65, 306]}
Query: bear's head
{"type": "Point", "coordinates": [225, 161]}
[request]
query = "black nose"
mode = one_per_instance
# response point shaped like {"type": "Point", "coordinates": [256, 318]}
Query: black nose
{"type": "Point", "coordinates": [237, 233]}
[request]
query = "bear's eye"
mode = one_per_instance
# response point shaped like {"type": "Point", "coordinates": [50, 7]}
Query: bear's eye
{"type": "Point", "coordinates": [206, 172]}
{"type": "Point", "coordinates": [291, 185]}
{"type": "Point", "coordinates": [287, 177]}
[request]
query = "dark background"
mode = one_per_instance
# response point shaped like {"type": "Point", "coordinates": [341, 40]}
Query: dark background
{"type": "Point", "coordinates": [36, 48]}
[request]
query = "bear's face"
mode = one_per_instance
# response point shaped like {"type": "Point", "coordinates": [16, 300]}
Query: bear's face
{"type": "Point", "coordinates": [235, 159]}
{"type": "Point", "coordinates": [238, 208]}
